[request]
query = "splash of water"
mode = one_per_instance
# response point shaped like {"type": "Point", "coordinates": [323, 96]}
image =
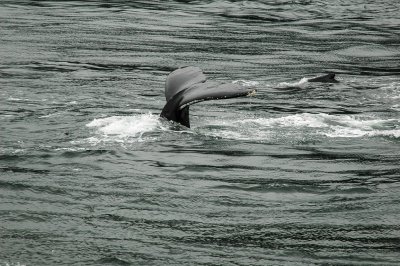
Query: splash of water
{"type": "Point", "coordinates": [301, 84]}
{"type": "Point", "coordinates": [139, 128]}
{"type": "Point", "coordinates": [124, 128]}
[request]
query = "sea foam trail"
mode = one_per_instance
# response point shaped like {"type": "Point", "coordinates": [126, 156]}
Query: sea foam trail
{"type": "Point", "coordinates": [306, 125]}
{"type": "Point", "coordinates": [299, 126]}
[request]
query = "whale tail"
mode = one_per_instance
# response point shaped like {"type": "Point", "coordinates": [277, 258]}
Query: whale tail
{"type": "Point", "coordinates": [188, 85]}
{"type": "Point", "coordinates": [328, 78]}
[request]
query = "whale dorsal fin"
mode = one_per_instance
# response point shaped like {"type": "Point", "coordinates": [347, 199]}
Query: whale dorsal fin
{"type": "Point", "coordinates": [186, 86]}
{"type": "Point", "coordinates": [328, 78]}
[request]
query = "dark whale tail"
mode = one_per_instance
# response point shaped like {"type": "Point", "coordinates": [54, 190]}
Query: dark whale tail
{"type": "Point", "coordinates": [188, 85]}
{"type": "Point", "coordinates": [328, 78]}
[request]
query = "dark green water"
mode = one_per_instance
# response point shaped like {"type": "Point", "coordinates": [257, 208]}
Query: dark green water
{"type": "Point", "coordinates": [299, 174]}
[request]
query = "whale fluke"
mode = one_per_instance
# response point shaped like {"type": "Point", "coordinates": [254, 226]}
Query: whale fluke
{"type": "Point", "coordinates": [188, 85]}
{"type": "Point", "coordinates": [328, 78]}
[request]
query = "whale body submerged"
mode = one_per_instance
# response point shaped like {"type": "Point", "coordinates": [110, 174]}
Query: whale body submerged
{"type": "Point", "coordinates": [188, 85]}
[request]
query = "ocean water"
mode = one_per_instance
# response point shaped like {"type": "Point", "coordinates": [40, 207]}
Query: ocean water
{"type": "Point", "coordinates": [298, 174]}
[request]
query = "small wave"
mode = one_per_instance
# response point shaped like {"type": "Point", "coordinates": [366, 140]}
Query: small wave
{"type": "Point", "coordinates": [113, 260]}
{"type": "Point", "coordinates": [368, 51]}
{"type": "Point", "coordinates": [395, 107]}
{"type": "Point", "coordinates": [12, 99]}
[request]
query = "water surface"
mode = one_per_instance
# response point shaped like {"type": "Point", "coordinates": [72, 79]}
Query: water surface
{"type": "Point", "coordinates": [300, 173]}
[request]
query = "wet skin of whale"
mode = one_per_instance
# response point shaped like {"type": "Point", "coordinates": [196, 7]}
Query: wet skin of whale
{"type": "Point", "coordinates": [188, 85]}
{"type": "Point", "coordinates": [328, 78]}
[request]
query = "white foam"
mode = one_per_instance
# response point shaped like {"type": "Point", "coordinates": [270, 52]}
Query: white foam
{"type": "Point", "coordinates": [296, 121]}
{"type": "Point", "coordinates": [246, 83]}
{"type": "Point", "coordinates": [299, 84]}
{"type": "Point", "coordinates": [342, 132]}
{"type": "Point", "coordinates": [13, 264]}
{"type": "Point", "coordinates": [120, 127]}
{"type": "Point", "coordinates": [307, 125]}
{"type": "Point", "coordinates": [17, 99]}
{"type": "Point", "coordinates": [70, 149]}
{"type": "Point", "coordinates": [296, 127]}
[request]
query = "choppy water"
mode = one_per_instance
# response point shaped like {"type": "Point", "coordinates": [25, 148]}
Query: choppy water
{"type": "Point", "coordinates": [300, 173]}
